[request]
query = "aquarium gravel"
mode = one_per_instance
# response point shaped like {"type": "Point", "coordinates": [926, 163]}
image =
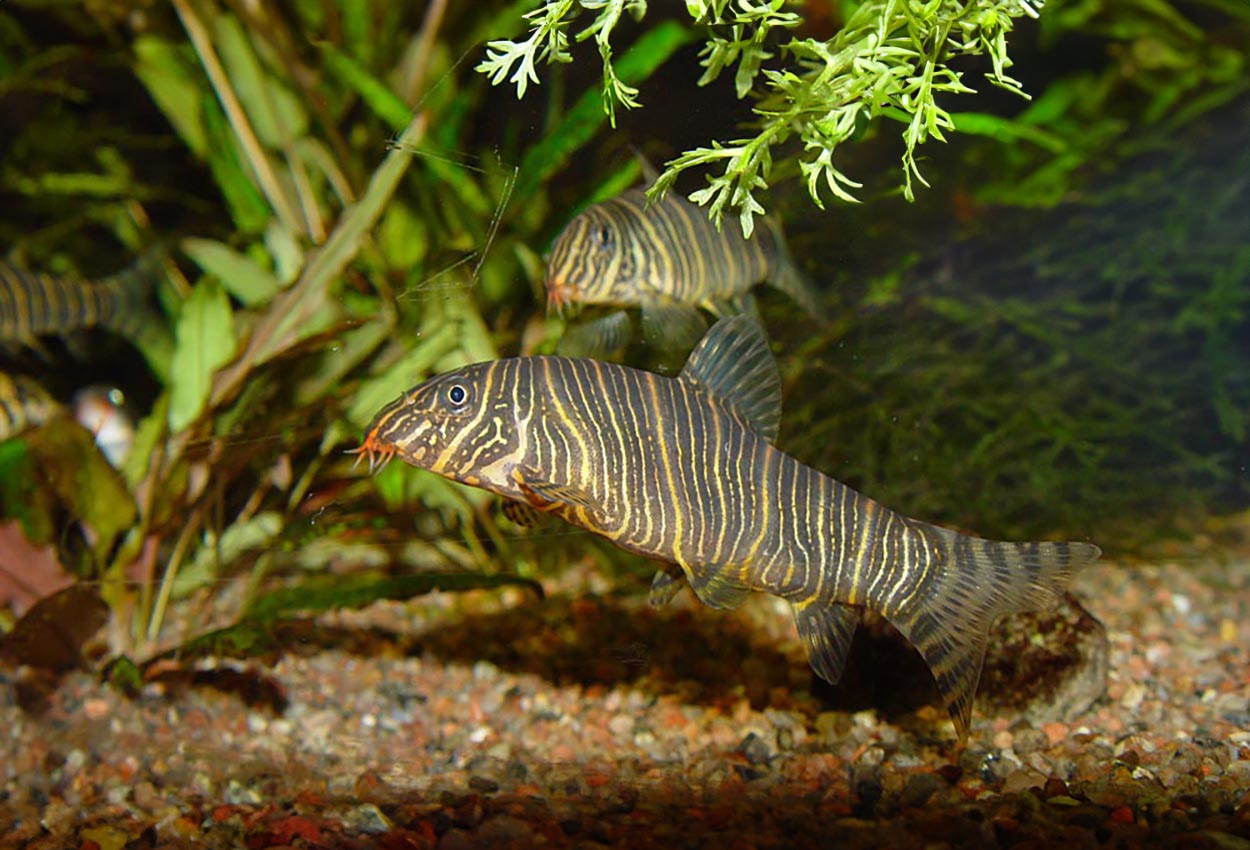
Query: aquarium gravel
{"type": "Point", "coordinates": [584, 719]}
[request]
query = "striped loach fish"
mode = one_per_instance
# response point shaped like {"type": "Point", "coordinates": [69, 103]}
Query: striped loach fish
{"type": "Point", "coordinates": [683, 470]}
{"type": "Point", "coordinates": [23, 404]}
{"type": "Point", "coordinates": [668, 259]}
{"type": "Point", "coordinates": [34, 305]}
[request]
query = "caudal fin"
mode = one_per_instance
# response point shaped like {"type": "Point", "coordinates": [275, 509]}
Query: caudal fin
{"type": "Point", "coordinates": [787, 277]}
{"type": "Point", "coordinates": [133, 313]}
{"type": "Point", "coordinates": [973, 583]}
{"type": "Point", "coordinates": [130, 312]}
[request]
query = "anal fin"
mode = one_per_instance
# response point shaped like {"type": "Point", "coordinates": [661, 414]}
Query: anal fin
{"type": "Point", "coordinates": [666, 584]}
{"type": "Point", "coordinates": [523, 514]}
{"type": "Point", "coordinates": [715, 589]}
{"type": "Point", "coordinates": [954, 657]}
{"type": "Point", "coordinates": [826, 631]}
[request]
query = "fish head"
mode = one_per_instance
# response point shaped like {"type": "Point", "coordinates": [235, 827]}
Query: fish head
{"type": "Point", "coordinates": [587, 263]}
{"type": "Point", "coordinates": [461, 425]}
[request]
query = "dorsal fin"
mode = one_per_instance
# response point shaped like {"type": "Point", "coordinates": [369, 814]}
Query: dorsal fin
{"type": "Point", "coordinates": [734, 363]}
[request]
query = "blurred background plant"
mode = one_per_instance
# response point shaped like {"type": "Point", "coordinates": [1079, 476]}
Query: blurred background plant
{"type": "Point", "coordinates": [1050, 341]}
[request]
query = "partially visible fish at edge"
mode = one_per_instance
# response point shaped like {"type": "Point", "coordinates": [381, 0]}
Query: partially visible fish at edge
{"type": "Point", "coordinates": [33, 304]}
{"type": "Point", "coordinates": [23, 404]}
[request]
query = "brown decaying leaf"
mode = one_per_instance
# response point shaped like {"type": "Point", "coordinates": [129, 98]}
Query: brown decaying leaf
{"type": "Point", "coordinates": [27, 572]}
{"type": "Point", "coordinates": [52, 633]}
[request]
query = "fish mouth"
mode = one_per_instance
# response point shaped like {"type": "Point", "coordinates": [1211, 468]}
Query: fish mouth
{"type": "Point", "coordinates": [378, 454]}
{"type": "Point", "coordinates": [559, 296]}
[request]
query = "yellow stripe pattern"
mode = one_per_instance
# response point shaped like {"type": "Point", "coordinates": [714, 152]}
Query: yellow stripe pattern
{"type": "Point", "coordinates": [664, 469]}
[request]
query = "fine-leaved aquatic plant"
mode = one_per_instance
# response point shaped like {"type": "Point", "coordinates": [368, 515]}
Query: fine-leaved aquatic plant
{"type": "Point", "coordinates": [890, 59]}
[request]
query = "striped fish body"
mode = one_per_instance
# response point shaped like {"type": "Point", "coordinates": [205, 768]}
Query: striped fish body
{"type": "Point", "coordinates": [23, 404]}
{"type": "Point", "coordinates": [34, 305]}
{"type": "Point", "coordinates": [683, 470]}
{"type": "Point", "coordinates": [623, 252]}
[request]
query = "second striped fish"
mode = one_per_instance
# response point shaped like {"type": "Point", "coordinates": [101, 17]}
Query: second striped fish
{"type": "Point", "coordinates": [668, 259]}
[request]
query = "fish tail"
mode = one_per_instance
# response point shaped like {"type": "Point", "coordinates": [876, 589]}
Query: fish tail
{"type": "Point", "coordinates": [129, 311]}
{"type": "Point", "coordinates": [970, 583]}
{"type": "Point", "coordinates": [786, 275]}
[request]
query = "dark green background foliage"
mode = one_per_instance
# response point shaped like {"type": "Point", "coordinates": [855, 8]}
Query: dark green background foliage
{"type": "Point", "coordinates": [1050, 340]}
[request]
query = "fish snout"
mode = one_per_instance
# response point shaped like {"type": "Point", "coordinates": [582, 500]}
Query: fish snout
{"type": "Point", "coordinates": [559, 296]}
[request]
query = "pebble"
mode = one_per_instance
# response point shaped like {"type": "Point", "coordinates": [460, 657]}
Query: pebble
{"type": "Point", "coordinates": [679, 753]}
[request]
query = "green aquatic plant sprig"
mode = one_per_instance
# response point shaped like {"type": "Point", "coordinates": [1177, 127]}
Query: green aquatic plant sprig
{"type": "Point", "coordinates": [890, 59]}
{"type": "Point", "coordinates": [548, 42]}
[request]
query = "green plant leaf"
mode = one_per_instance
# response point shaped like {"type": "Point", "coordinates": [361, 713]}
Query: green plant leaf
{"type": "Point", "coordinates": [377, 95]}
{"type": "Point", "coordinates": [275, 113]}
{"type": "Point", "coordinates": [258, 532]}
{"type": "Point", "coordinates": [1006, 130]}
{"type": "Point", "coordinates": [149, 433]}
{"type": "Point", "coordinates": [248, 207]}
{"type": "Point", "coordinates": [204, 343]}
{"type": "Point", "coordinates": [411, 368]}
{"type": "Point", "coordinates": [328, 592]}
{"type": "Point", "coordinates": [242, 276]}
{"type": "Point", "coordinates": [81, 477]}
{"type": "Point", "coordinates": [166, 75]}
{"type": "Point", "coordinates": [403, 237]}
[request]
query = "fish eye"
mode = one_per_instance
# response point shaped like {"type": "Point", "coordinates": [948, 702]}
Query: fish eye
{"type": "Point", "coordinates": [457, 396]}
{"type": "Point", "coordinates": [604, 234]}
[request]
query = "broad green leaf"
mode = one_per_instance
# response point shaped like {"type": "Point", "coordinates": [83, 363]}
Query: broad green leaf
{"type": "Point", "coordinates": [83, 480]}
{"type": "Point", "coordinates": [242, 276]}
{"type": "Point", "coordinates": [357, 16]}
{"type": "Point", "coordinates": [149, 433]}
{"type": "Point", "coordinates": [328, 592]}
{"type": "Point", "coordinates": [275, 114]}
{"type": "Point", "coordinates": [451, 334]}
{"type": "Point", "coordinates": [163, 71]}
{"type": "Point", "coordinates": [332, 365]}
{"type": "Point", "coordinates": [617, 182]}
{"type": "Point", "coordinates": [402, 236]}
{"type": "Point", "coordinates": [248, 207]}
{"type": "Point", "coordinates": [284, 248]}
{"type": "Point", "coordinates": [204, 343]}
{"type": "Point", "coordinates": [400, 485]}
{"type": "Point", "coordinates": [259, 532]}
{"type": "Point", "coordinates": [1006, 130]}
{"type": "Point", "coordinates": [20, 495]}
{"type": "Point", "coordinates": [377, 95]}
{"type": "Point", "coordinates": [475, 341]}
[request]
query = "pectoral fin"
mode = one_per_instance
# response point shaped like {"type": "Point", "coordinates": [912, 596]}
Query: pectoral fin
{"type": "Point", "coordinates": [826, 632]}
{"type": "Point", "coordinates": [546, 496]}
{"type": "Point", "coordinates": [524, 514]}
{"type": "Point", "coordinates": [666, 584]}
{"type": "Point", "coordinates": [599, 338]}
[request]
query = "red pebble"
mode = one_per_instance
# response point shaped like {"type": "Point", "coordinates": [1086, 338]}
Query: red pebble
{"type": "Point", "coordinates": [1122, 814]}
